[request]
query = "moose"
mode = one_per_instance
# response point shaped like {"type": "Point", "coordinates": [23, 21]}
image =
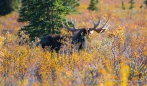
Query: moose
{"type": "Point", "coordinates": [78, 35]}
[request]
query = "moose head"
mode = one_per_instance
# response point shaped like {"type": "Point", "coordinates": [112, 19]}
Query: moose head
{"type": "Point", "coordinates": [79, 34]}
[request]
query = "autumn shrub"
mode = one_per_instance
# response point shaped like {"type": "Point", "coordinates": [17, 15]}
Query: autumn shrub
{"type": "Point", "coordinates": [117, 57]}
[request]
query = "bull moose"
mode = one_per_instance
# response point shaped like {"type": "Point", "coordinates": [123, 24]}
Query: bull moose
{"type": "Point", "coordinates": [78, 36]}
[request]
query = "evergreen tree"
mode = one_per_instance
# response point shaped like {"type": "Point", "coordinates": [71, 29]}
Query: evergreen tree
{"type": "Point", "coordinates": [92, 5]}
{"type": "Point", "coordinates": [5, 7]}
{"type": "Point", "coordinates": [44, 16]}
{"type": "Point", "coordinates": [132, 4]}
{"type": "Point", "coordinates": [145, 2]}
{"type": "Point", "coordinates": [16, 5]}
{"type": "Point", "coordinates": [123, 5]}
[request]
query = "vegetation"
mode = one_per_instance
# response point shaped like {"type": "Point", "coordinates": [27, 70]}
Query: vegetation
{"type": "Point", "coordinates": [131, 4]}
{"type": "Point", "coordinates": [44, 17]}
{"type": "Point", "coordinates": [117, 57]}
{"type": "Point", "coordinates": [145, 2]}
{"type": "Point", "coordinates": [16, 5]}
{"type": "Point", "coordinates": [7, 6]}
{"type": "Point", "coordinates": [123, 5]}
{"type": "Point", "coordinates": [93, 5]}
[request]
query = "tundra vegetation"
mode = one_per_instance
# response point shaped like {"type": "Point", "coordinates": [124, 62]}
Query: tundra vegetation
{"type": "Point", "coordinates": [117, 57]}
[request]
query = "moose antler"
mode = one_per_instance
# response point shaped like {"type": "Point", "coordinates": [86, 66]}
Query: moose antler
{"type": "Point", "coordinates": [95, 25]}
{"type": "Point", "coordinates": [67, 25]}
{"type": "Point", "coordinates": [99, 30]}
{"type": "Point", "coordinates": [73, 23]}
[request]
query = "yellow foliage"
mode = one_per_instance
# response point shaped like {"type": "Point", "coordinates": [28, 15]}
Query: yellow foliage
{"type": "Point", "coordinates": [124, 74]}
{"type": "Point", "coordinates": [1, 54]}
{"type": "Point", "coordinates": [120, 33]}
{"type": "Point", "coordinates": [108, 79]}
{"type": "Point", "coordinates": [82, 6]}
{"type": "Point", "coordinates": [21, 63]}
{"type": "Point", "coordinates": [10, 37]}
{"type": "Point", "coordinates": [1, 41]}
{"type": "Point", "coordinates": [24, 82]}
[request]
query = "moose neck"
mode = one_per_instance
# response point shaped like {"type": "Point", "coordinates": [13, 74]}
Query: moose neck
{"type": "Point", "coordinates": [78, 35]}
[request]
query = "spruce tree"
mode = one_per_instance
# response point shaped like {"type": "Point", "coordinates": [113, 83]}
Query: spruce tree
{"type": "Point", "coordinates": [145, 2]}
{"type": "Point", "coordinates": [92, 5]}
{"type": "Point", "coordinates": [16, 5]}
{"type": "Point", "coordinates": [44, 16]}
{"type": "Point", "coordinates": [123, 5]}
{"type": "Point", "coordinates": [5, 7]}
{"type": "Point", "coordinates": [132, 4]}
